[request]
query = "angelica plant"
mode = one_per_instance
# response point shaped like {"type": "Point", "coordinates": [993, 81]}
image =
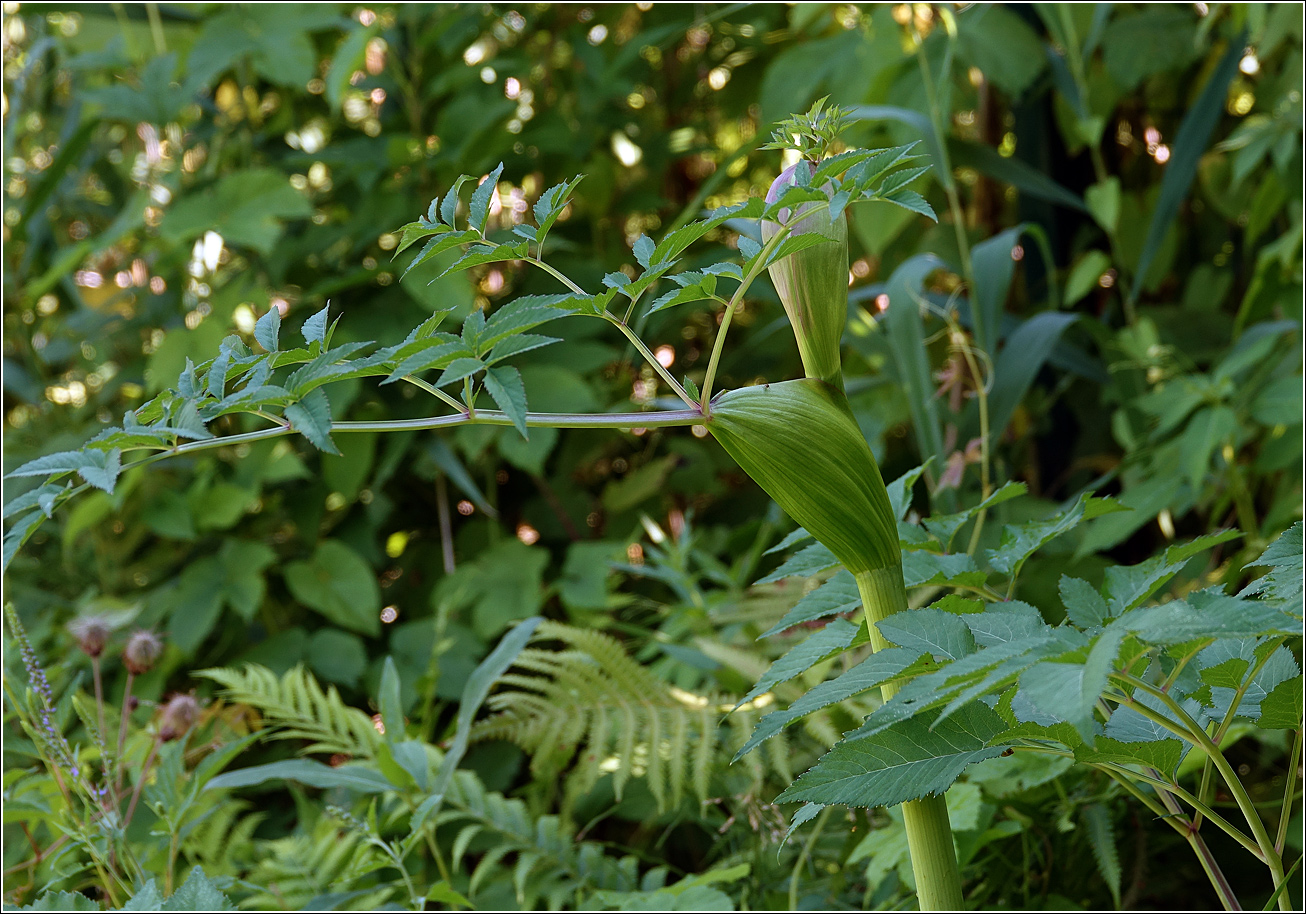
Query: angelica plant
{"type": "Point", "coordinates": [1123, 687]}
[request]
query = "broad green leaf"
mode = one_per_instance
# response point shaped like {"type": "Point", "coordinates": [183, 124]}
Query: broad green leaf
{"type": "Point", "coordinates": [922, 568]}
{"type": "Point", "coordinates": [340, 585]}
{"type": "Point", "coordinates": [1022, 357]}
{"type": "Point", "coordinates": [522, 314]}
{"type": "Point", "coordinates": [1129, 726]}
{"type": "Point", "coordinates": [1281, 709]}
{"type": "Point", "coordinates": [1280, 668]}
{"type": "Point", "coordinates": [267, 329]}
{"type": "Point", "coordinates": [1163, 753]}
{"type": "Point", "coordinates": [54, 464]}
{"type": "Point", "coordinates": [101, 468]}
{"type": "Point", "coordinates": [1001, 623]}
{"type": "Point", "coordinates": [929, 631]}
{"type": "Point", "coordinates": [198, 893]}
{"type": "Point", "coordinates": [59, 901]}
{"type": "Point", "coordinates": [906, 330]}
{"type": "Point", "coordinates": [908, 761]}
{"type": "Point", "coordinates": [1084, 605]}
{"type": "Point", "coordinates": [504, 384]}
{"type": "Point", "coordinates": [458, 370]}
{"type": "Point", "coordinates": [516, 345]}
{"type": "Point", "coordinates": [1207, 615]}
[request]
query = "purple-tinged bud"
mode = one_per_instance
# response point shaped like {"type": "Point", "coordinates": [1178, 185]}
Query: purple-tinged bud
{"type": "Point", "coordinates": [142, 651]}
{"type": "Point", "coordinates": [813, 283]}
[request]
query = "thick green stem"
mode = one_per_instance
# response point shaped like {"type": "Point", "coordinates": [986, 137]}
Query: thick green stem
{"type": "Point", "coordinates": [929, 834]}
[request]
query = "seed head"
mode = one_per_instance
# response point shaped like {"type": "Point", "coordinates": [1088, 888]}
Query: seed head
{"type": "Point", "coordinates": [143, 649]}
{"type": "Point", "coordinates": [92, 634]}
{"type": "Point", "coordinates": [178, 716]}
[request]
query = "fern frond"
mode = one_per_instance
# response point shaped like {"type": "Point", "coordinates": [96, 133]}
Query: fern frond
{"type": "Point", "coordinates": [298, 706]}
{"type": "Point", "coordinates": [579, 705]}
{"type": "Point", "coordinates": [300, 868]}
{"type": "Point", "coordinates": [541, 856]}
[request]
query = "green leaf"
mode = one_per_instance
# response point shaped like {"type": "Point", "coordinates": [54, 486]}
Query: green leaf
{"type": "Point", "coordinates": [198, 893]}
{"type": "Point", "coordinates": [347, 60]}
{"type": "Point", "coordinates": [929, 631]}
{"type": "Point", "coordinates": [1001, 623]}
{"type": "Point", "coordinates": [311, 417]}
{"type": "Point", "coordinates": [474, 693]}
{"type": "Point", "coordinates": [59, 901]}
{"type": "Point", "coordinates": [504, 384]}
{"type": "Point", "coordinates": [340, 585]}
{"type": "Point", "coordinates": [1102, 839]}
{"type": "Point", "coordinates": [478, 208]}
{"type": "Point", "coordinates": [877, 669]}
{"type": "Point", "coordinates": [523, 314]}
{"type": "Point", "coordinates": [1085, 274]}
{"type": "Point", "coordinates": [458, 370]}
{"type": "Point", "coordinates": [1207, 615]}
{"type": "Point", "coordinates": [54, 464]}
{"type": "Point", "coordinates": [359, 778]}
{"type": "Point", "coordinates": [246, 208]}
{"type": "Point", "coordinates": [101, 468]}
{"type": "Point", "coordinates": [835, 597]}
{"type": "Point", "coordinates": [906, 330]}
{"type": "Point", "coordinates": [1284, 557]}
{"type": "Point", "coordinates": [1019, 542]}
{"type": "Point", "coordinates": [1010, 170]}
{"type": "Point", "coordinates": [1281, 709]}
{"type": "Point", "coordinates": [832, 639]}
{"type": "Point", "coordinates": [907, 761]}
{"type": "Point", "coordinates": [945, 526]}
{"type": "Point", "coordinates": [921, 568]}
{"type": "Point", "coordinates": [314, 329]}
{"type": "Point", "coordinates": [900, 491]}
{"type": "Point", "coordinates": [1163, 753]}
{"type": "Point", "coordinates": [1189, 145]}
{"type": "Point", "coordinates": [806, 562]}
{"type": "Point", "coordinates": [1022, 357]}
{"type": "Point", "coordinates": [1084, 605]}
{"type": "Point", "coordinates": [392, 709]}
{"type": "Point", "coordinates": [1000, 43]}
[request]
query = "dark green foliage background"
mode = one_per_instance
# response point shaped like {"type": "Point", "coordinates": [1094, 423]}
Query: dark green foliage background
{"type": "Point", "coordinates": [305, 135]}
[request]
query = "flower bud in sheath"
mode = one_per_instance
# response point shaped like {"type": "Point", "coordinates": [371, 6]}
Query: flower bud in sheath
{"type": "Point", "coordinates": [813, 284]}
{"type": "Point", "coordinates": [799, 441]}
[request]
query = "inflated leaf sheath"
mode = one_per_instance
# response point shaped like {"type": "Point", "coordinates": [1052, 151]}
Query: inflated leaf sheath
{"type": "Point", "coordinates": [813, 284]}
{"type": "Point", "coordinates": [799, 441]}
